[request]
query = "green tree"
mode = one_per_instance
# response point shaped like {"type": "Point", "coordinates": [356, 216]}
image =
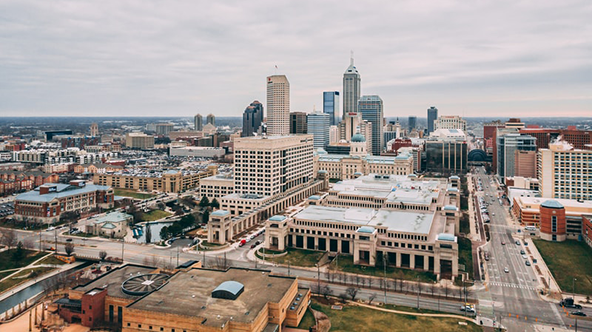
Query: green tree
{"type": "Point", "coordinates": [187, 221]}
{"type": "Point", "coordinates": [204, 202]}
{"type": "Point", "coordinates": [19, 252]}
{"type": "Point", "coordinates": [215, 204]}
{"type": "Point", "coordinates": [164, 233]}
{"type": "Point", "coordinates": [205, 217]}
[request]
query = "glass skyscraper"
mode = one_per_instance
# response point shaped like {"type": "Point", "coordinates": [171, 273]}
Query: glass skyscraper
{"type": "Point", "coordinates": [252, 119]}
{"type": "Point", "coordinates": [372, 110]}
{"type": "Point", "coordinates": [331, 106]}
{"type": "Point", "coordinates": [432, 116]}
{"type": "Point", "coordinates": [318, 125]}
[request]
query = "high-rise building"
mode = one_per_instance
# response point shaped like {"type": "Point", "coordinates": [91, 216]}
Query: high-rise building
{"type": "Point", "coordinates": [298, 123]}
{"type": "Point", "coordinates": [198, 122]}
{"type": "Point", "coordinates": [318, 124]}
{"type": "Point", "coordinates": [352, 84]}
{"type": "Point", "coordinates": [163, 128]}
{"type": "Point", "coordinates": [139, 141]}
{"type": "Point", "coordinates": [94, 130]}
{"type": "Point", "coordinates": [450, 122]}
{"type": "Point", "coordinates": [507, 145]}
{"type": "Point", "coordinates": [446, 156]}
{"type": "Point", "coordinates": [331, 106]}
{"type": "Point", "coordinates": [252, 119]}
{"type": "Point", "coordinates": [353, 123]}
{"type": "Point", "coordinates": [564, 172]}
{"type": "Point", "coordinates": [290, 161]}
{"type": "Point", "coordinates": [412, 123]}
{"type": "Point", "coordinates": [211, 119]}
{"type": "Point", "coordinates": [278, 105]}
{"type": "Point", "coordinates": [372, 111]}
{"type": "Point", "coordinates": [525, 164]}
{"type": "Point", "coordinates": [333, 134]}
{"type": "Point", "coordinates": [432, 116]}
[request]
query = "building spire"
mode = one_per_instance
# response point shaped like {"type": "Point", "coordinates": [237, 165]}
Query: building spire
{"type": "Point", "coordinates": [351, 58]}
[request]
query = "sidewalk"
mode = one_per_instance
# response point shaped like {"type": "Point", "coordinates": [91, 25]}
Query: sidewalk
{"type": "Point", "coordinates": [554, 290]}
{"type": "Point", "coordinates": [22, 286]}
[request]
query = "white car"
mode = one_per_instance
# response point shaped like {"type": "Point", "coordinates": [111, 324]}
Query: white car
{"type": "Point", "coordinates": [524, 256]}
{"type": "Point", "coordinates": [506, 270]}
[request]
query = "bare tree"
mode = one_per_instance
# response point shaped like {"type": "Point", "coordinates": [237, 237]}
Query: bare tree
{"type": "Point", "coordinates": [69, 248]}
{"type": "Point", "coordinates": [352, 292]}
{"type": "Point", "coordinates": [28, 243]}
{"type": "Point", "coordinates": [433, 287]}
{"type": "Point", "coordinates": [419, 287]}
{"type": "Point", "coordinates": [343, 297]}
{"type": "Point", "coordinates": [371, 298]}
{"type": "Point", "coordinates": [370, 282]}
{"type": "Point", "coordinates": [325, 291]}
{"type": "Point", "coordinates": [357, 278]}
{"type": "Point", "coordinates": [8, 237]}
{"type": "Point", "coordinates": [446, 290]}
{"type": "Point", "coordinates": [395, 285]}
{"type": "Point", "coordinates": [102, 255]}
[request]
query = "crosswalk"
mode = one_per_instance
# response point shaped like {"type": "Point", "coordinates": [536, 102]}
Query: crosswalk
{"type": "Point", "coordinates": [511, 285]}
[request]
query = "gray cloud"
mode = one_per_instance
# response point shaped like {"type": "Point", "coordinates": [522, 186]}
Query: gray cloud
{"type": "Point", "coordinates": [182, 57]}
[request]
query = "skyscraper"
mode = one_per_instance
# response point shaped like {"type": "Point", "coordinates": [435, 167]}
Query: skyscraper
{"type": "Point", "coordinates": [211, 119]}
{"type": "Point", "coordinates": [372, 110]}
{"type": "Point", "coordinates": [412, 123]}
{"type": "Point", "coordinates": [351, 89]}
{"type": "Point", "coordinates": [432, 116]}
{"type": "Point", "coordinates": [198, 122]}
{"type": "Point", "coordinates": [278, 105]}
{"type": "Point", "coordinates": [298, 123]}
{"type": "Point", "coordinates": [331, 106]}
{"type": "Point", "coordinates": [318, 124]}
{"type": "Point", "coordinates": [252, 119]}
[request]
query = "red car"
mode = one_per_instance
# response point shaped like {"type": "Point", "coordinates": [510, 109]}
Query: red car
{"type": "Point", "coordinates": [503, 243]}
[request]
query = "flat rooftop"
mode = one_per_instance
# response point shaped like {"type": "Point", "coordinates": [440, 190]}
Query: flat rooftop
{"type": "Point", "coordinates": [393, 220]}
{"type": "Point", "coordinates": [190, 293]}
{"type": "Point", "coordinates": [113, 279]}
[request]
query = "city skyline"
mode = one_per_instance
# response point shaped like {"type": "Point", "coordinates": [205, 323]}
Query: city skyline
{"type": "Point", "coordinates": [71, 59]}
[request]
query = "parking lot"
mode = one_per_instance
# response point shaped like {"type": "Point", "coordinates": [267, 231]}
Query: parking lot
{"type": "Point", "coordinates": [6, 209]}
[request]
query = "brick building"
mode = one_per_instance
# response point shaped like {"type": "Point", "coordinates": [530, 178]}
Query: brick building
{"type": "Point", "coordinates": [47, 202]}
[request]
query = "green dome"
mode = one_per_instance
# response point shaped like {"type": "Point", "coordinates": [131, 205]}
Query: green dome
{"type": "Point", "coordinates": [358, 138]}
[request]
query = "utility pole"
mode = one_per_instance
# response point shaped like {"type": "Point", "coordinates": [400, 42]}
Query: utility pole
{"type": "Point", "coordinates": [288, 268]}
{"type": "Point", "coordinates": [203, 264]}
{"type": "Point", "coordinates": [122, 249]}
{"type": "Point", "coordinates": [573, 286]}
{"type": "Point", "coordinates": [318, 278]}
{"type": "Point", "coordinates": [417, 292]}
{"type": "Point", "coordinates": [177, 256]}
{"type": "Point", "coordinates": [40, 240]}
{"type": "Point", "coordinates": [55, 235]}
{"type": "Point", "coordinates": [384, 270]}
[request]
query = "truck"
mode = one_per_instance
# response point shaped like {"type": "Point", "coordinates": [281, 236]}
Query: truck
{"type": "Point", "coordinates": [568, 302]}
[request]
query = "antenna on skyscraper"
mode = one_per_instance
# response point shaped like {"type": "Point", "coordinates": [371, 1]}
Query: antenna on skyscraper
{"type": "Point", "coordinates": [351, 58]}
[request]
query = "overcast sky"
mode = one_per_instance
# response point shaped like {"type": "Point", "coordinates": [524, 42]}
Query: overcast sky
{"type": "Point", "coordinates": [177, 58]}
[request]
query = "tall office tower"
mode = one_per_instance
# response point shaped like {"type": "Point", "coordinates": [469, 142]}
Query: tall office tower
{"type": "Point", "coordinates": [563, 172]}
{"type": "Point", "coordinates": [352, 124]}
{"type": "Point", "coordinates": [252, 119]}
{"type": "Point", "coordinates": [351, 89]}
{"type": "Point", "coordinates": [331, 106]}
{"type": "Point", "coordinates": [451, 122]}
{"type": "Point", "coordinates": [318, 124]}
{"type": "Point", "coordinates": [94, 130]}
{"type": "Point", "coordinates": [333, 134]}
{"type": "Point", "coordinates": [278, 105]}
{"type": "Point", "coordinates": [372, 110]}
{"type": "Point", "coordinates": [298, 123]}
{"type": "Point", "coordinates": [432, 116]}
{"type": "Point", "coordinates": [211, 119]}
{"type": "Point", "coordinates": [198, 122]}
{"type": "Point", "coordinates": [412, 123]}
{"type": "Point", "coordinates": [507, 145]}
{"type": "Point", "coordinates": [290, 159]}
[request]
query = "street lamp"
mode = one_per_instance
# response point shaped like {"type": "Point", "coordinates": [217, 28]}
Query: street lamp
{"type": "Point", "coordinates": [573, 286]}
{"type": "Point", "coordinates": [417, 292]}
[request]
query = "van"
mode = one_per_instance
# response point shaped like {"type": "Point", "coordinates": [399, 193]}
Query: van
{"type": "Point", "coordinates": [530, 228]}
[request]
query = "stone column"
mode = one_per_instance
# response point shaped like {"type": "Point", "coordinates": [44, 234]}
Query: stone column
{"type": "Point", "coordinates": [398, 263]}
{"type": "Point", "coordinates": [412, 261]}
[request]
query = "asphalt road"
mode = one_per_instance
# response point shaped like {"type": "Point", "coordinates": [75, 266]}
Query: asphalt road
{"type": "Point", "coordinates": [514, 292]}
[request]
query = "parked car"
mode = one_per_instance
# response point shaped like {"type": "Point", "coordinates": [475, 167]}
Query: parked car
{"type": "Point", "coordinates": [578, 313]}
{"type": "Point", "coordinates": [506, 270]}
{"type": "Point", "coordinates": [527, 263]}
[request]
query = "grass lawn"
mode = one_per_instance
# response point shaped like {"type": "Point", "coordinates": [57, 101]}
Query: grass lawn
{"type": "Point", "coordinates": [359, 319]}
{"type": "Point", "coordinates": [465, 255]}
{"type": "Point", "coordinates": [414, 310]}
{"type": "Point", "coordinates": [5, 274]}
{"type": "Point", "coordinates": [51, 260]}
{"type": "Point", "coordinates": [22, 277]}
{"type": "Point", "coordinates": [297, 257]}
{"type": "Point", "coordinates": [307, 321]}
{"type": "Point", "coordinates": [6, 261]}
{"type": "Point", "coordinates": [465, 226]}
{"type": "Point", "coordinates": [131, 193]}
{"type": "Point", "coordinates": [155, 215]}
{"type": "Point", "coordinates": [346, 264]}
{"type": "Point", "coordinates": [567, 260]}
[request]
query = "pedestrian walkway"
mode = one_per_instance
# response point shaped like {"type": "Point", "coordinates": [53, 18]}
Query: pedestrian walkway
{"type": "Point", "coordinates": [511, 285]}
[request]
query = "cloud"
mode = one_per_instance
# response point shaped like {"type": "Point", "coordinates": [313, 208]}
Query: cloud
{"type": "Point", "coordinates": [150, 58]}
